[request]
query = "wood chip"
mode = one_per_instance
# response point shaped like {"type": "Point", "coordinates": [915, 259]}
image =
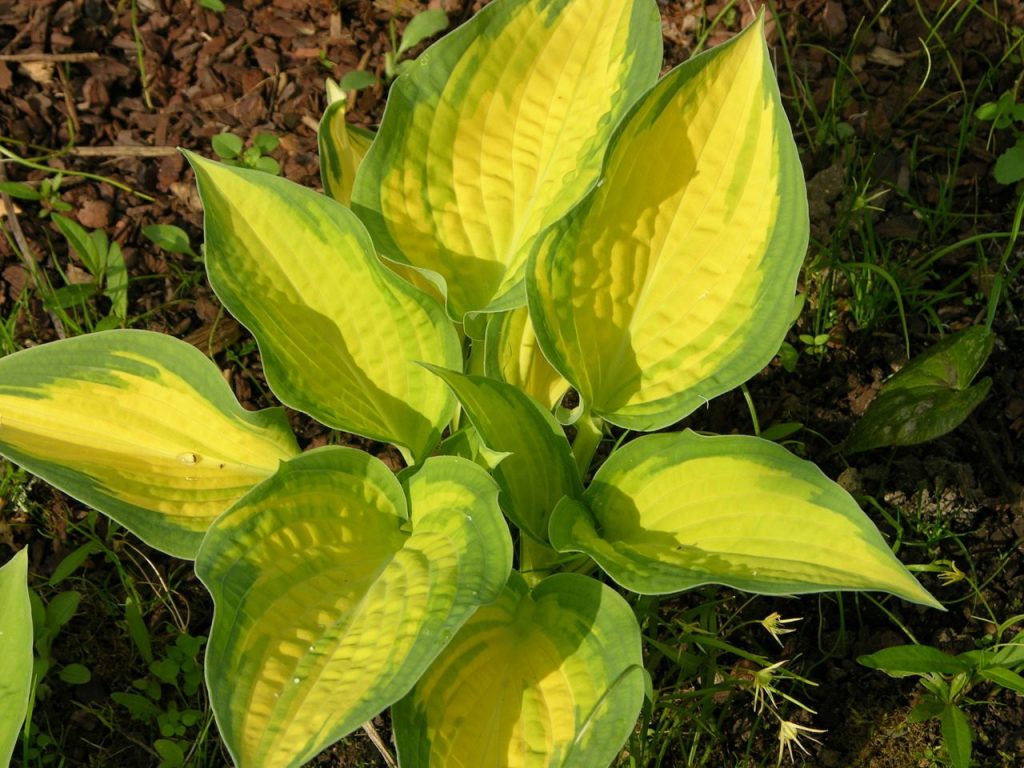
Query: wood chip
{"type": "Point", "coordinates": [39, 71]}
{"type": "Point", "coordinates": [880, 55]}
{"type": "Point", "coordinates": [94, 214]}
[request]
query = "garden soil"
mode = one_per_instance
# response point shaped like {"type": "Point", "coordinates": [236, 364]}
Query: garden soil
{"type": "Point", "coordinates": [113, 88]}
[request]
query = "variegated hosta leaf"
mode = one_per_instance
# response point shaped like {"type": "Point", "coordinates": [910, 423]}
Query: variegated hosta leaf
{"type": "Point", "coordinates": [498, 130]}
{"type": "Point", "coordinates": [342, 147]}
{"type": "Point", "coordinates": [670, 512]}
{"type": "Point", "coordinates": [332, 599]}
{"type": "Point", "coordinates": [140, 426]}
{"type": "Point", "coordinates": [673, 281]}
{"type": "Point", "coordinates": [539, 469]}
{"type": "Point", "coordinates": [15, 651]}
{"type": "Point", "coordinates": [338, 332]}
{"type": "Point", "coordinates": [548, 679]}
{"type": "Point", "coordinates": [512, 355]}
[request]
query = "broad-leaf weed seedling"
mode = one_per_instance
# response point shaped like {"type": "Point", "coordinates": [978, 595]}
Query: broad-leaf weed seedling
{"type": "Point", "coordinates": [947, 680]}
{"type": "Point", "coordinates": [47, 195]}
{"type": "Point", "coordinates": [105, 263]}
{"type": "Point", "coordinates": [230, 148]}
{"type": "Point", "coordinates": [171, 238]}
{"type": "Point", "coordinates": [420, 27]}
{"type": "Point", "coordinates": [1006, 113]}
{"type": "Point", "coordinates": [538, 212]}
{"type": "Point", "coordinates": [162, 698]}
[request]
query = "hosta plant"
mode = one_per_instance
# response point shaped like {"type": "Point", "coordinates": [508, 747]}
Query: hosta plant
{"type": "Point", "coordinates": [538, 212]}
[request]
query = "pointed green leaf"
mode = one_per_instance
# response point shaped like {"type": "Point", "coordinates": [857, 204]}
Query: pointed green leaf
{"type": "Point", "coordinates": [904, 660]}
{"type": "Point", "coordinates": [15, 651]}
{"type": "Point", "coordinates": [338, 332]}
{"type": "Point", "coordinates": [1009, 654]}
{"type": "Point", "coordinates": [539, 469]}
{"type": "Point", "coordinates": [342, 148]}
{"type": "Point", "coordinates": [1009, 167]}
{"type": "Point", "coordinates": [930, 396]}
{"type": "Point", "coordinates": [171, 238]}
{"type": "Point", "coordinates": [140, 426]}
{"type": "Point", "coordinates": [542, 679]}
{"type": "Point", "coordinates": [421, 26]}
{"type": "Point", "coordinates": [512, 355]}
{"type": "Point", "coordinates": [331, 601]}
{"type": "Point", "coordinates": [357, 79]}
{"type": "Point", "coordinates": [673, 281]}
{"type": "Point", "coordinates": [674, 511]}
{"type": "Point", "coordinates": [953, 362]}
{"type": "Point", "coordinates": [496, 132]}
{"type": "Point", "coordinates": [1008, 679]}
{"type": "Point", "coordinates": [81, 244]}
{"type": "Point", "coordinates": [956, 734]}
{"type": "Point", "coordinates": [910, 417]}
{"type": "Point", "coordinates": [116, 281]}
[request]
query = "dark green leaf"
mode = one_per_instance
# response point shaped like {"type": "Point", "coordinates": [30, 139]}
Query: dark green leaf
{"type": "Point", "coordinates": [70, 563]}
{"type": "Point", "coordinates": [421, 26]}
{"type": "Point", "coordinates": [266, 142]}
{"type": "Point", "coordinates": [956, 733]}
{"type": "Point", "coordinates": [1009, 168]}
{"type": "Point", "coordinates": [1004, 677]}
{"type": "Point", "coordinates": [777, 432]}
{"type": "Point", "coordinates": [1010, 654]}
{"type": "Point", "coordinates": [117, 282]}
{"type": "Point", "coordinates": [19, 191]}
{"type": "Point", "coordinates": [38, 614]}
{"type": "Point", "coordinates": [227, 145]}
{"type": "Point", "coordinates": [357, 79]}
{"type": "Point", "coordinates": [909, 417]}
{"type": "Point", "coordinates": [953, 362]}
{"type": "Point", "coordinates": [108, 323]}
{"type": "Point", "coordinates": [99, 249]}
{"type": "Point", "coordinates": [988, 111]}
{"type": "Point", "coordinates": [929, 397]}
{"type": "Point", "coordinates": [140, 707]}
{"type": "Point", "coordinates": [137, 629]}
{"type": "Point", "coordinates": [81, 243]}
{"type": "Point", "coordinates": [171, 754]}
{"type": "Point", "coordinates": [169, 237]}
{"type": "Point", "coordinates": [75, 674]}
{"type": "Point", "coordinates": [267, 165]}
{"type": "Point", "coordinates": [61, 608]}
{"type": "Point", "coordinates": [68, 296]}
{"type": "Point", "coordinates": [904, 660]}
{"type": "Point", "coordinates": [165, 670]}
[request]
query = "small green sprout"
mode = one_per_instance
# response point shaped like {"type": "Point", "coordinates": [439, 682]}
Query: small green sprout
{"type": "Point", "coordinates": [1006, 113]}
{"type": "Point", "coordinates": [171, 238]}
{"type": "Point", "coordinates": [230, 148]}
{"type": "Point", "coordinates": [47, 195]}
{"type": "Point", "coordinates": [422, 26]}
